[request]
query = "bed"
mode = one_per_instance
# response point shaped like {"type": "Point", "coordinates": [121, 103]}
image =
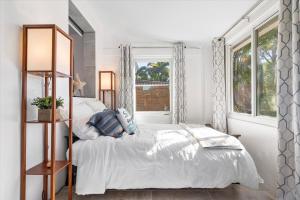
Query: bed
{"type": "Point", "coordinates": [161, 156]}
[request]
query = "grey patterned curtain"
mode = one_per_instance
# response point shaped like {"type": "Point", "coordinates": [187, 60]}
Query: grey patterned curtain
{"type": "Point", "coordinates": [179, 101]}
{"type": "Point", "coordinates": [219, 98]}
{"type": "Point", "coordinates": [126, 80]}
{"type": "Point", "coordinates": [288, 99]}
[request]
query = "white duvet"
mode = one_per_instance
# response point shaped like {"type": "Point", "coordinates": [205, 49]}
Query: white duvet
{"type": "Point", "coordinates": [160, 156]}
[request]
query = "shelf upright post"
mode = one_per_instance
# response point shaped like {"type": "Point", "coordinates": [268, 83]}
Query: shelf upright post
{"type": "Point", "coordinates": [70, 123]}
{"type": "Point", "coordinates": [45, 177]}
{"type": "Point", "coordinates": [53, 120]}
{"type": "Point", "coordinates": [23, 120]}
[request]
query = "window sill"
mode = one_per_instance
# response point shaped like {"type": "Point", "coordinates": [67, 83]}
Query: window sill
{"type": "Point", "coordinates": [262, 120]}
{"type": "Point", "coordinates": [152, 112]}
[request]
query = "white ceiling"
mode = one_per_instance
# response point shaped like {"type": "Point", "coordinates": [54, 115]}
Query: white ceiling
{"type": "Point", "coordinates": [142, 21]}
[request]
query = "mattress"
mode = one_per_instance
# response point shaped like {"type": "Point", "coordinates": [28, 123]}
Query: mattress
{"type": "Point", "coordinates": [160, 156]}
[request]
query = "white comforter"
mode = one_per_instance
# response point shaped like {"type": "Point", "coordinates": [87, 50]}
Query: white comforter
{"type": "Point", "coordinates": [160, 156]}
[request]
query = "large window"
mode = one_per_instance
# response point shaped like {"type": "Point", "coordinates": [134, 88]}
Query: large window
{"type": "Point", "coordinates": [266, 68]}
{"type": "Point", "coordinates": [256, 97]}
{"type": "Point", "coordinates": [152, 78]}
{"type": "Point", "coordinates": [242, 77]}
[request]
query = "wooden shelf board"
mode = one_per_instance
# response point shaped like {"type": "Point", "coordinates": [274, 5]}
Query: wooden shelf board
{"type": "Point", "coordinates": [48, 74]}
{"type": "Point", "coordinates": [42, 169]}
{"type": "Point", "coordinates": [43, 122]}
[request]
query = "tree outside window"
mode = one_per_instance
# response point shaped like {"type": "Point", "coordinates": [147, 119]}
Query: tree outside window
{"type": "Point", "coordinates": [152, 86]}
{"type": "Point", "coordinates": [242, 78]}
{"type": "Point", "coordinates": [266, 69]}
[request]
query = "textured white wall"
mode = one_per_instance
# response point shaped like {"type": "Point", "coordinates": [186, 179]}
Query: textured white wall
{"type": "Point", "coordinates": [13, 15]}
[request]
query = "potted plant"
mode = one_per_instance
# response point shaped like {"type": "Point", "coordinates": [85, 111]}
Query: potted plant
{"type": "Point", "coordinates": [44, 105]}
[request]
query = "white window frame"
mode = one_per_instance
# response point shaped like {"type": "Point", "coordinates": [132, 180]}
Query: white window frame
{"type": "Point", "coordinates": [156, 58]}
{"type": "Point", "coordinates": [252, 29]}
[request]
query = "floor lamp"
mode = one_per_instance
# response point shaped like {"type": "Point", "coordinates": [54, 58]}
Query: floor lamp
{"type": "Point", "coordinates": [107, 84]}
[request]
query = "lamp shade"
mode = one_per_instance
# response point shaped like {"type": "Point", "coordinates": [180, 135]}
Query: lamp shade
{"type": "Point", "coordinates": [107, 80]}
{"type": "Point", "coordinates": [42, 43]}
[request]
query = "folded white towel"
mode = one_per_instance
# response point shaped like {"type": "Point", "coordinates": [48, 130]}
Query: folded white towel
{"type": "Point", "coordinates": [221, 143]}
{"type": "Point", "coordinates": [211, 138]}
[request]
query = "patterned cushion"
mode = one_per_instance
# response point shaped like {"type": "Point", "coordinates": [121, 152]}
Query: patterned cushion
{"type": "Point", "coordinates": [126, 120]}
{"type": "Point", "coordinates": [107, 123]}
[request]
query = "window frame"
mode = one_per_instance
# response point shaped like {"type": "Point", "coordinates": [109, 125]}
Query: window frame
{"type": "Point", "coordinates": [253, 117]}
{"type": "Point", "coordinates": [256, 60]}
{"type": "Point", "coordinates": [155, 58]}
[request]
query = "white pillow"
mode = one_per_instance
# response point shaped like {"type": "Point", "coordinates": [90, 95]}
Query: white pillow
{"type": "Point", "coordinates": [84, 131]}
{"type": "Point", "coordinates": [81, 115]}
{"type": "Point", "coordinates": [78, 107]}
{"type": "Point", "coordinates": [96, 105]}
{"type": "Point", "coordinates": [82, 110]}
{"type": "Point", "coordinates": [78, 100]}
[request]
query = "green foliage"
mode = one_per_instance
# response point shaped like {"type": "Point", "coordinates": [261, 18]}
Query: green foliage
{"type": "Point", "coordinates": [242, 79]}
{"type": "Point", "coordinates": [46, 102]}
{"type": "Point", "coordinates": [158, 71]}
{"type": "Point", "coordinates": [266, 73]}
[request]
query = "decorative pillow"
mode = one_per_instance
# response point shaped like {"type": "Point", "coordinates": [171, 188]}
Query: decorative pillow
{"type": "Point", "coordinates": [107, 123]}
{"type": "Point", "coordinates": [126, 120]}
{"type": "Point", "coordinates": [96, 105]}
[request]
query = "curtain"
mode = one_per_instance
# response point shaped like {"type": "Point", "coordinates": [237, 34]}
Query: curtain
{"type": "Point", "coordinates": [219, 96]}
{"type": "Point", "coordinates": [179, 101]}
{"type": "Point", "coordinates": [288, 99]}
{"type": "Point", "coordinates": [126, 80]}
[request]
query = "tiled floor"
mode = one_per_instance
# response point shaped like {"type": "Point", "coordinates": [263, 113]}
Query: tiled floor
{"type": "Point", "coordinates": [233, 192]}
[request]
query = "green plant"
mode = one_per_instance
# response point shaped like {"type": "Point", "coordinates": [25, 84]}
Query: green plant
{"type": "Point", "coordinates": [157, 71]}
{"type": "Point", "coordinates": [46, 102]}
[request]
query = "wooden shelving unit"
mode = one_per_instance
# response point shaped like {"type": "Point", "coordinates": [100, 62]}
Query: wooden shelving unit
{"type": "Point", "coordinates": [56, 165]}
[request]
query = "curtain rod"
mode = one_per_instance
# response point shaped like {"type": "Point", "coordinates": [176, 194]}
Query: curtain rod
{"type": "Point", "coordinates": [161, 47]}
{"type": "Point", "coordinates": [245, 16]}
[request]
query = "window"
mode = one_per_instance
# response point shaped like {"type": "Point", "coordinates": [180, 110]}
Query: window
{"type": "Point", "coordinates": [254, 84]}
{"type": "Point", "coordinates": [152, 78]}
{"type": "Point", "coordinates": [266, 68]}
{"type": "Point", "coordinates": [242, 78]}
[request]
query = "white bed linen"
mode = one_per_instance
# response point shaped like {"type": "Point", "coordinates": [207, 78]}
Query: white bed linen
{"type": "Point", "coordinates": [160, 156]}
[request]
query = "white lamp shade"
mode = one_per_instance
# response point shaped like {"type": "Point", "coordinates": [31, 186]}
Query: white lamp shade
{"type": "Point", "coordinates": [63, 52]}
{"type": "Point", "coordinates": [107, 80]}
{"type": "Point", "coordinates": [39, 50]}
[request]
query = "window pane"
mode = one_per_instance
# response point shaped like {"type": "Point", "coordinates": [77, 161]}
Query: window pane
{"type": "Point", "coordinates": [152, 86]}
{"type": "Point", "coordinates": [242, 78]}
{"type": "Point", "coordinates": [266, 69]}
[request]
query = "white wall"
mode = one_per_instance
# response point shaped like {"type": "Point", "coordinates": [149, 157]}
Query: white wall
{"type": "Point", "coordinates": [259, 135]}
{"type": "Point", "coordinates": [261, 142]}
{"type": "Point", "coordinates": [13, 15]}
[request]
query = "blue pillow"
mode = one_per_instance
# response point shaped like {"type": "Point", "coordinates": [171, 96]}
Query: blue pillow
{"type": "Point", "coordinates": [107, 123]}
